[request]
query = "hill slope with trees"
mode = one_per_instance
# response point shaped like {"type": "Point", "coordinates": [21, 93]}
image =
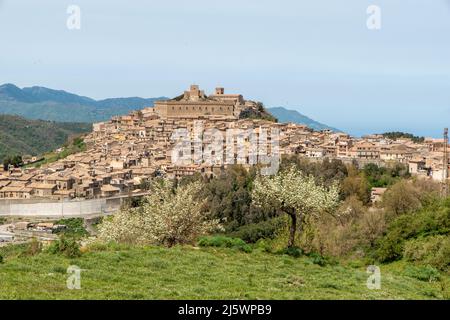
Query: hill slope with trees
{"type": "Point", "coordinates": [19, 136]}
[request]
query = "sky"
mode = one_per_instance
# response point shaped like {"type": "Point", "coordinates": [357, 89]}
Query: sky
{"type": "Point", "coordinates": [317, 57]}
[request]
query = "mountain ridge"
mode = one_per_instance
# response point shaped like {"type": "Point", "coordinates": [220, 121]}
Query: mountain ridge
{"type": "Point", "coordinates": [41, 103]}
{"type": "Point", "coordinates": [289, 115]}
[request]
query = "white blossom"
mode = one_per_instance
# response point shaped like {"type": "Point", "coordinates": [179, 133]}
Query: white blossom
{"type": "Point", "coordinates": [168, 216]}
{"type": "Point", "coordinates": [295, 194]}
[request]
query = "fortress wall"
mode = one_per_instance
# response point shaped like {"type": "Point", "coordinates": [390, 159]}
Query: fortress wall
{"type": "Point", "coordinates": [191, 109]}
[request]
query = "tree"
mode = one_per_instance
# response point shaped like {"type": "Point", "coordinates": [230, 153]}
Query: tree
{"type": "Point", "coordinates": [402, 197]}
{"type": "Point", "coordinates": [15, 161]}
{"type": "Point", "coordinates": [295, 194]}
{"type": "Point", "coordinates": [399, 135]}
{"type": "Point", "coordinates": [326, 171]}
{"type": "Point", "coordinates": [168, 216]}
{"type": "Point", "coordinates": [356, 185]}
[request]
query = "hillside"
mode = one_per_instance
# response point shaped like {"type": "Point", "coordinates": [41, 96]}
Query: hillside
{"type": "Point", "coordinates": [33, 137]}
{"type": "Point", "coordinates": [285, 115]}
{"type": "Point", "coordinates": [122, 272]}
{"type": "Point", "coordinates": [57, 105]}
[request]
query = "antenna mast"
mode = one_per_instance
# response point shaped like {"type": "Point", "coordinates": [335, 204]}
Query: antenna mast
{"type": "Point", "coordinates": [445, 165]}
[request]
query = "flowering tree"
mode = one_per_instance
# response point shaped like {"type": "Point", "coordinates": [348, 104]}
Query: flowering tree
{"type": "Point", "coordinates": [168, 216]}
{"type": "Point", "coordinates": [295, 194]}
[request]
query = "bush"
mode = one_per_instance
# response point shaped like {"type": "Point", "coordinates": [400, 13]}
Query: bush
{"type": "Point", "coordinates": [75, 227]}
{"type": "Point", "coordinates": [384, 176]}
{"type": "Point", "coordinates": [292, 251]}
{"type": "Point", "coordinates": [1, 259]}
{"type": "Point", "coordinates": [318, 259]}
{"type": "Point", "coordinates": [434, 251]}
{"type": "Point", "coordinates": [263, 230]}
{"type": "Point", "coordinates": [67, 246]}
{"type": "Point", "coordinates": [431, 221]}
{"type": "Point", "coordinates": [351, 231]}
{"type": "Point", "coordinates": [423, 273]}
{"type": "Point", "coordinates": [224, 242]}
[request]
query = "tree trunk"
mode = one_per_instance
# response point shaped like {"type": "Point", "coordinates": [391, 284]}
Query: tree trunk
{"type": "Point", "coordinates": [292, 230]}
{"type": "Point", "coordinates": [300, 223]}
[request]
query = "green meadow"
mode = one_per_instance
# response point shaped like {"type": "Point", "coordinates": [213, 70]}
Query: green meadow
{"type": "Point", "coordinates": [184, 272]}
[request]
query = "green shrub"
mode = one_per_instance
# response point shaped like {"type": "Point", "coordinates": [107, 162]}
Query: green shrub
{"type": "Point", "coordinates": [1, 259]}
{"type": "Point", "coordinates": [423, 273]}
{"type": "Point", "coordinates": [318, 259]}
{"type": "Point", "coordinates": [265, 245]}
{"type": "Point", "coordinates": [246, 248]}
{"type": "Point", "coordinates": [75, 227]}
{"type": "Point", "coordinates": [431, 221]}
{"type": "Point", "coordinates": [224, 242]}
{"type": "Point", "coordinates": [292, 251]}
{"type": "Point", "coordinates": [67, 246]}
{"type": "Point", "coordinates": [434, 251]}
{"type": "Point", "coordinates": [263, 230]}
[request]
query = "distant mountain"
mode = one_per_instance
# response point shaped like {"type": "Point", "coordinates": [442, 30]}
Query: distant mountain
{"type": "Point", "coordinates": [19, 136]}
{"type": "Point", "coordinates": [285, 115]}
{"type": "Point", "coordinates": [58, 105]}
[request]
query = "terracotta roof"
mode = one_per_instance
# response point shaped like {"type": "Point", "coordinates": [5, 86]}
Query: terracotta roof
{"type": "Point", "coordinates": [42, 186]}
{"type": "Point", "coordinates": [109, 188]}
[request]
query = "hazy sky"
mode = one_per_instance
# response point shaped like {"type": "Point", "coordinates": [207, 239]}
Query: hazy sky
{"type": "Point", "coordinates": [317, 57]}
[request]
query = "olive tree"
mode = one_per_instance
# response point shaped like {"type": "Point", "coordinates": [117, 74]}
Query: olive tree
{"type": "Point", "coordinates": [293, 193]}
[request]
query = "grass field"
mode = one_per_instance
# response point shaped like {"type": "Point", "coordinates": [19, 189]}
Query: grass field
{"type": "Point", "coordinates": [205, 273]}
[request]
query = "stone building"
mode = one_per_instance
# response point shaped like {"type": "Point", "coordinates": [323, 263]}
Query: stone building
{"type": "Point", "coordinates": [194, 104]}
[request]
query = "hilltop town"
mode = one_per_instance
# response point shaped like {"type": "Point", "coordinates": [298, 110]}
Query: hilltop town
{"type": "Point", "coordinates": [129, 150]}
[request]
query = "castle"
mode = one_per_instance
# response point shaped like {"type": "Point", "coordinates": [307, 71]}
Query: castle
{"type": "Point", "coordinates": [195, 104]}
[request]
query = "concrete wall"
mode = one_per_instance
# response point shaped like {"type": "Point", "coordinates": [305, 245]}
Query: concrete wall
{"type": "Point", "coordinates": [59, 209]}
